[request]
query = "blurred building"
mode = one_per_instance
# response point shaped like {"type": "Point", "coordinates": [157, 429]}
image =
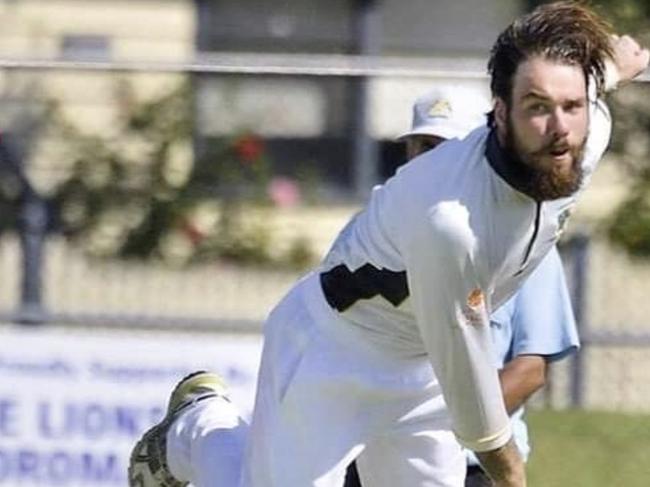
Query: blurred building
{"type": "Point", "coordinates": [101, 31]}
{"type": "Point", "coordinates": [315, 122]}
{"type": "Point", "coordinates": [97, 29]}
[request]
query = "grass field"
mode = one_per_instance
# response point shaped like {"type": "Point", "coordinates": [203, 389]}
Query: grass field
{"type": "Point", "coordinates": [587, 449]}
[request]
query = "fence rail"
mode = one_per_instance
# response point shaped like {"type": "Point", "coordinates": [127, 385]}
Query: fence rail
{"type": "Point", "coordinates": [338, 65]}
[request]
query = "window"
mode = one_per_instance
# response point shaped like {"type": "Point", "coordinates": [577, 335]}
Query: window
{"type": "Point", "coordinates": [86, 47]}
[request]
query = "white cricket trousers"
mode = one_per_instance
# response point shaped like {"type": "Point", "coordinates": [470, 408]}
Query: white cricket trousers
{"type": "Point", "coordinates": [326, 395]}
{"type": "Point", "coordinates": [205, 444]}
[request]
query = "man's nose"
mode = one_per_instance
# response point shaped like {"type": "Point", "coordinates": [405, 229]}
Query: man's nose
{"type": "Point", "coordinates": [559, 123]}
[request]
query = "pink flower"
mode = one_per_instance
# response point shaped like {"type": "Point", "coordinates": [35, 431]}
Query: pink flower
{"type": "Point", "coordinates": [284, 192]}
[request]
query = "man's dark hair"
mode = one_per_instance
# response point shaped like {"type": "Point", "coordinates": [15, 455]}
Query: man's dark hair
{"type": "Point", "coordinates": [566, 31]}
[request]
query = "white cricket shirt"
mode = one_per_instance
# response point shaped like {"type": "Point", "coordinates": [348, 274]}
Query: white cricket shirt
{"type": "Point", "coordinates": [440, 245]}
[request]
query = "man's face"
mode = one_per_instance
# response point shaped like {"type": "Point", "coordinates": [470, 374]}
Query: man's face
{"type": "Point", "coordinates": [417, 144]}
{"type": "Point", "coordinates": [545, 126]}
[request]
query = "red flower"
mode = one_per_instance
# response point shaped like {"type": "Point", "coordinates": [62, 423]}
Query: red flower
{"type": "Point", "coordinates": [195, 235]}
{"type": "Point", "coordinates": [249, 148]}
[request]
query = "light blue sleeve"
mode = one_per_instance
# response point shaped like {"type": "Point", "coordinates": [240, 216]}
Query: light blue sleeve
{"type": "Point", "coordinates": [543, 320]}
{"type": "Point", "coordinates": [501, 323]}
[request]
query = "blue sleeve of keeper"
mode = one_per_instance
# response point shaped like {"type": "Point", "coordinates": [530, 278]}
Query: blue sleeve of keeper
{"type": "Point", "coordinates": [543, 322]}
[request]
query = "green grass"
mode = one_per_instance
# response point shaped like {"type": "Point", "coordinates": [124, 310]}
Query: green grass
{"type": "Point", "coordinates": [588, 449]}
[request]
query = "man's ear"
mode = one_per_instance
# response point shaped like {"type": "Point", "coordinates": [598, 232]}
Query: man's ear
{"type": "Point", "coordinates": [500, 113]}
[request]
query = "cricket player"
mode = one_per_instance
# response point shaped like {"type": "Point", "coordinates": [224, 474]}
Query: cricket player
{"type": "Point", "coordinates": [384, 353]}
{"type": "Point", "coordinates": [536, 325]}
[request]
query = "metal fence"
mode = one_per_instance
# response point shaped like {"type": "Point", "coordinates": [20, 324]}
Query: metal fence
{"type": "Point", "coordinates": [49, 279]}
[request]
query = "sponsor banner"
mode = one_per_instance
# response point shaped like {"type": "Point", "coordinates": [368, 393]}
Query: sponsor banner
{"type": "Point", "coordinates": [73, 402]}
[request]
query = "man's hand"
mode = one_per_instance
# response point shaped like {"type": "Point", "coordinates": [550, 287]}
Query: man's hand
{"type": "Point", "coordinates": [629, 58]}
{"type": "Point", "coordinates": [504, 465]}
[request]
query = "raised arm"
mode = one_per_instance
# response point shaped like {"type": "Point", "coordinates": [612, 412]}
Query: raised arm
{"type": "Point", "coordinates": [629, 60]}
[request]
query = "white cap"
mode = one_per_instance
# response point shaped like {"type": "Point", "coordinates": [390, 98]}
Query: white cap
{"type": "Point", "coordinates": [448, 113]}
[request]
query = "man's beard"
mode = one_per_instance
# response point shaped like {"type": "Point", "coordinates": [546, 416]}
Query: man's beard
{"type": "Point", "coordinates": [543, 184]}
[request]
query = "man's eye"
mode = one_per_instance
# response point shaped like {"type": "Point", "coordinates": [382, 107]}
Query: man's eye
{"type": "Point", "coordinates": [573, 106]}
{"type": "Point", "coordinates": [537, 108]}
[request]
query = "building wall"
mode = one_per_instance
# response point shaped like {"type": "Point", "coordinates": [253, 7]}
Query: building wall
{"type": "Point", "coordinates": [136, 29]}
{"type": "Point", "coordinates": [105, 30]}
{"type": "Point", "coordinates": [448, 27]}
{"type": "Point", "coordinates": [413, 27]}
{"type": "Point", "coordinates": [275, 26]}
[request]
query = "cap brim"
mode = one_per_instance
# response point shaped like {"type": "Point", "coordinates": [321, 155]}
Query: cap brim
{"type": "Point", "coordinates": [442, 132]}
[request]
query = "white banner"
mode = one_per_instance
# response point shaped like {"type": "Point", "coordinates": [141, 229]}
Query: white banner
{"type": "Point", "coordinates": [73, 402]}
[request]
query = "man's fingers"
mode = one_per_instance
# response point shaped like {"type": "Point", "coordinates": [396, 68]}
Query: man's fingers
{"type": "Point", "coordinates": [629, 57]}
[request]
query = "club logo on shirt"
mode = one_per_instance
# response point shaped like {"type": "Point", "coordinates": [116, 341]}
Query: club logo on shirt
{"type": "Point", "coordinates": [475, 298]}
{"type": "Point", "coordinates": [441, 108]}
{"type": "Point", "coordinates": [474, 310]}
